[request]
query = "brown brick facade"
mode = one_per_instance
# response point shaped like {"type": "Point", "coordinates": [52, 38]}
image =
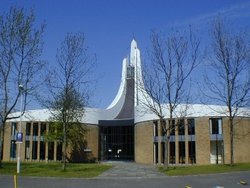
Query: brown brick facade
{"type": "Point", "coordinates": [31, 146]}
{"type": "Point", "coordinates": [202, 142]}
{"type": "Point", "coordinates": [92, 138]}
{"type": "Point", "coordinates": [145, 142]}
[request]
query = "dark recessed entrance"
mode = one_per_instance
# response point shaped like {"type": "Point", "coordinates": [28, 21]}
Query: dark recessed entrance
{"type": "Point", "coordinates": [117, 142]}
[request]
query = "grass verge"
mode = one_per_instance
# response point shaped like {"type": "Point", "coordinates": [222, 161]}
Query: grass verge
{"type": "Point", "coordinates": [55, 169]}
{"type": "Point", "coordinates": [206, 169]}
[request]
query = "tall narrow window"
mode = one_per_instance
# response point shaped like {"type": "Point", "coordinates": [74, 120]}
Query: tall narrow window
{"type": "Point", "coordinates": [42, 150]}
{"type": "Point", "coordinates": [13, 141]}
{"type": "Point", "coordinates": [181, 152]}
{"type": "Point", "coordinates": [172, 152]}
{"type": "Point", "coordinates": [13, 129]}
{"type": "Point", "coordinates": [181, 127]}
{"type": "Point", "coordinates": [34, 150]}
{"type": "Point", "coordinates": [43, 129]}
{"type": "Point", "coordinates": [27, 149]}
{"type": "Point", "coordinates": [172, 127]}
{"type": "Point", "coordinates": [163, 151]}
{"type": "Point", "coordinates": [215, 126]}
{"type": "Point", "coordinates": [59, 151]}
{"type": "Point", "coordinates": [191, 152]}
{"type": "Point", "coordinates": [191, 127]}
{"type": "Point", "coordinates": [155, 128]}
{"type": "Point", "coordinates": [51, 151]}
{"type": "Point", "coordinates": [13, 149]}
{"type": "Point", "coordinates": [28, 126]}
{"type": "Point", "coordinates": [35, 129]}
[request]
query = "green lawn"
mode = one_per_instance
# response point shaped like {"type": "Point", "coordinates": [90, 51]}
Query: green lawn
{"type": "Point", "coordinates": [207, 169]}
{"type": "Point", "coordinates": [55, 169]}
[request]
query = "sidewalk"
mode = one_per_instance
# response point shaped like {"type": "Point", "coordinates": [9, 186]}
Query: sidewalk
{"type": "Point", "coordinates": [123, 170]}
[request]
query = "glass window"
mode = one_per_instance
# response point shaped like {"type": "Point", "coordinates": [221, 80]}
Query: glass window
{"type": "Point", "coordinates": [155, 128]}
{"type": "Point", "coordinates": [34, 150]}
{"type": "Point", "coordinates": [191, 152]}
{"type": "Point", "coordinates": [117, 143]}
{"type": "Point", "coordinates": [191, 126]}
{"type": "Point", "coordinates": [51, 150]}
{"type": "Point", "coordinates": [59, 151]}
{"type": "Point", "coordinates": [172, 127]}
{"type": "Point", "coordinates": [172, 152]}
{"type": "Point", "coordinates": [13, 129]}
{"type": "Point", "coordinates": [27, 149]}
{"type": "Point", "coordinates": [215, 126]}
{"type": "Point", "coordinates": [43, 129]}
{"type": "Point", "coordinates": [13, 149]}
{"type": "Point", "coordinates": [182, 156]}
{"type": "Point", "coordinates": [28, 126]}
{"type": "Point", "coordinates": [35, 129]}
{"type": "Point", "coordinates": [42, 150]}
{"type": "Point", "coordinates": [181, 127]}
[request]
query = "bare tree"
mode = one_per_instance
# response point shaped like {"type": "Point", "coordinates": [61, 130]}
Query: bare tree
{"type": "Point", "coordinates": [228, 79]}
{"type": "Point", "coordinates": [68, 89]}
{"type": "Point", "coordinates": [20, 50]}
{"type": "Point", "coordinates": [172, 60]}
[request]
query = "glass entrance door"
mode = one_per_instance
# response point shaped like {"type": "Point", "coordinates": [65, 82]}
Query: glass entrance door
{"type": "Point", "coordinates": [117, 143]}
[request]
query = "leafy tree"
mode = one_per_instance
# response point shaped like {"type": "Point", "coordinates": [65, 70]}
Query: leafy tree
{"type": "Point", "coordinates": [69, 91]}
{"type": "Point", "coordinates": [20, 64]}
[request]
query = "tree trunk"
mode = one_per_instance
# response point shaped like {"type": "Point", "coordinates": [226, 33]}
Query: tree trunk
{"type": "Point", "coordinates": [64, 147]}
{"type": "Point", "coordinates": [1, 145]}
{"type": "Point", "coordinates": [231, 141]}
{"type": "Point", "coordinates": [163, 125]}
{"type": "Point", "coordinates": [166, 151]}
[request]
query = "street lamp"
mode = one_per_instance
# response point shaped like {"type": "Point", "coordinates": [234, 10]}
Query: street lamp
{"type": "Point", "coordinates": [19, 134]}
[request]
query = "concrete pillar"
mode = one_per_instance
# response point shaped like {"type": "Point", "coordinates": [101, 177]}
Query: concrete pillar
{"type": "Point", "coordinates": [55, 149]}
{"type": "Point", "coordinates": [176, 146]}
{"type": "Point", "coordinates": [47, 145]}
{"type": "Point", "coordinates": [160, 148]}
{"type": "Point", "coordinates": [38, 141]}
{"type": "Point", "coordinates": [186, 143]}
{"type": "Point", "coordinates": [31, 141]}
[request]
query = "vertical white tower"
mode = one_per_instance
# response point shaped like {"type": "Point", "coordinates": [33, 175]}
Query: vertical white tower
{"type": "Point", "coordinates": [132, 91]}
{"type": "Point", "coordinates": [135, 61]}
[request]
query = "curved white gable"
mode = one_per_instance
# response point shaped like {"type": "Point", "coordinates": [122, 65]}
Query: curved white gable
{"type": "Point", "coordinates": [93, 115]}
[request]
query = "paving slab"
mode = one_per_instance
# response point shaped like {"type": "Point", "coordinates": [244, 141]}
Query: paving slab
{"type": "Point", "coordinates": [130, 170]}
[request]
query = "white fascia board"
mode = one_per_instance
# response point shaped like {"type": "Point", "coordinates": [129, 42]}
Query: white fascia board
{"type": "Point", "coordinates": [191, 110]}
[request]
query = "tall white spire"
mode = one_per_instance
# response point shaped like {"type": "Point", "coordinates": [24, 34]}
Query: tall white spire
{"type": "Point", "coordinates": [135, 61]}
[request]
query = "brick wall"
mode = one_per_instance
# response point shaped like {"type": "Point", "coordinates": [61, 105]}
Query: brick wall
{"type": "Point", "coordinates": [92, 138]}
{"type": "Point", "coordinates": [202, 136]}
{"type": "Point", "coordinates": [144, 142]}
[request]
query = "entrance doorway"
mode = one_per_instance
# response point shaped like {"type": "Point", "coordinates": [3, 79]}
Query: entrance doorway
{"type": "Point", "coordinates": [117, 143]}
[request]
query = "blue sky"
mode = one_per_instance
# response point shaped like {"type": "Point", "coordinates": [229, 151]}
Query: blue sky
{"type": "Point", "coordinates": [110, 25]}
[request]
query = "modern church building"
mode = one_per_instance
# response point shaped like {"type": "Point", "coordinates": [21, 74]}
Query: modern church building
{"type": "Point", "coordinates": [125, 130]}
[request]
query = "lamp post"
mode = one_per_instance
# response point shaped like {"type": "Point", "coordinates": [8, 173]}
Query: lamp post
{"type": "Point", "coordinates": [19, 134]}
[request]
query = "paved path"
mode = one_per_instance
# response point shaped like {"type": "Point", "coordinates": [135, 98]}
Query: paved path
{"type": "Point", "coordinates": [123, 170]}
{"type": "Point", "coordinates": [132, 175]}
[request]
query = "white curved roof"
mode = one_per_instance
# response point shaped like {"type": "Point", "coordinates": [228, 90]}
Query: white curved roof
{"type": "Point", "coordinates": [190, 110]}
{"type": "Point", "coordinates": [92, 115]}
{"type": "Point", "coordinates": [140, 113]}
